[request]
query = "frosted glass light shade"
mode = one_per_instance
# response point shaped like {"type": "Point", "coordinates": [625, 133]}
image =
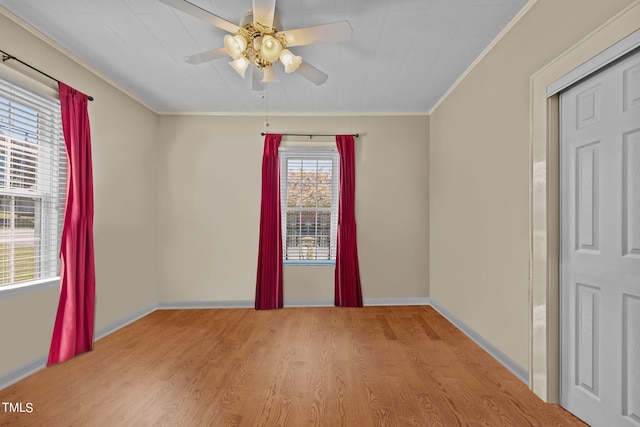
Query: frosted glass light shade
{"type": "Point", "coordinates": [235, 45]}
{"type": "Point", "coordinates": [240, 65]}
{"type": "Point", "coordinates": [290, 61]}
{"type": "Point", "coordinates": [270, 49]}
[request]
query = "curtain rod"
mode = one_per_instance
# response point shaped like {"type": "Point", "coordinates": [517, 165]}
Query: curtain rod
{"type": "Point", "coordinates": [355, 135]}
{"type": "Point", "coordinates": [6, 56]}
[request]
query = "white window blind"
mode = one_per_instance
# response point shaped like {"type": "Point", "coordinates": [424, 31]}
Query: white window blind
{"type": "Point", "coordinates": [32, 185]}
{"type": "Point", "coordinates": [309, 188]}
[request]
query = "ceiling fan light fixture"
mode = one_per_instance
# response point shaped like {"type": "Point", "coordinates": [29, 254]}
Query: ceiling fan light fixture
{"type": "Point", "coordinates": [271, 48]}
{"type": "Point", "coordinates": [290, 61]}
{"type": "Point", "coordinates": [260, 41]}
{"type": "Point", "coordinates": [235, 45]}
{"type": "Point", "coordinates": [240, 65]}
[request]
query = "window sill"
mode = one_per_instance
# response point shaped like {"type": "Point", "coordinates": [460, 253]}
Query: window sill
{"type": "Point", "coordinates": [29, 287]}
{"type": "Point", "coordinates": [305, 262]}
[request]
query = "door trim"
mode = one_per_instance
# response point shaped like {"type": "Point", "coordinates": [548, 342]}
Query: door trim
{"type": "Point", "coordinates": [595, 64]}
{"type": "Point", "coordinates": [544, 297]}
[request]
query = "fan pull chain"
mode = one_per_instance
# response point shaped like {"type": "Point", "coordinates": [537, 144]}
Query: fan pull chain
{"type": "Point", "coordinates": [265, 96]}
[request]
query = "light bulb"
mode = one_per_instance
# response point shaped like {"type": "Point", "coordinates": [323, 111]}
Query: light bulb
{"type": "Point", "coordinates": [235, 45]}
{"type": "Point", "coordinates": [290, 61]}
{"type": "Point", "coordinates": [270, 49]}
{"type": "Point", "coordinates": [240, 65]}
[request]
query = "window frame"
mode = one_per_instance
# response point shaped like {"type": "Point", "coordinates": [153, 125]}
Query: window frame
{"type": "Point", "coordinates": [310, 153]}
{"type": "Point", "coordinates": [50, 181]}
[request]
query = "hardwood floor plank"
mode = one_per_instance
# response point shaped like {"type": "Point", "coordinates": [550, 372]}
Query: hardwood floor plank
{"type": "Point", "coordinates": [372, 366]}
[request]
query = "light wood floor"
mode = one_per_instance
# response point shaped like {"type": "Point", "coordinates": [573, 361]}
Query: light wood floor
{"type": "Point", "coordinates": [374, 366]}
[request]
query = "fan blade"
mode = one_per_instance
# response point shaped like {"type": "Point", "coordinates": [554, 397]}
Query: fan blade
{"type": "Point", "coordinates": [203, 14]}
{"type": "Point", "coordinates": [311, 73]}
{"type": "Point", "coordinates": [206, 56]}
{"type": "Point", "coordinates": [325, 33]}
{"type": "Point", "coordinates": [263, 11]}
{"type": "Point", "coordinates": [269, 75]}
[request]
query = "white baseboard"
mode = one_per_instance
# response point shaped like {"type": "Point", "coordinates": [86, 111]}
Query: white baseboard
{"type": "Point", "coordinates": [365, 301]}
{"type": "Point", "coordinates": [185, 305]}
{"type": "Point", "coordinates": [22, 372]}
{"type": "Point", "coordinates": [176, 305]}
{"type": "Point", "coordinates": [40, 363]}
{"type": "Point", "coordinates": [30, 368]}
{"type": "Point", "coordinates": [309, 303]}
{"type": "Point", "coordinates": [396, 301]}
{"type": "Point", "coordinates": [505, 360]}
{"type": "Point", "coordinates": [121, 323]}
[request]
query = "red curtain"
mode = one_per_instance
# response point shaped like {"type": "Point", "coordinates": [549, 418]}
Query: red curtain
{"type": "Point", "coordinates": [269, 281]}
{"type": "Point", "coordinates": [73, 329]}
{"type": "Point", "coordinates": [348, 292]}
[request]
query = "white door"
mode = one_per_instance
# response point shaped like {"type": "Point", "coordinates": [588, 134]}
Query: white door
{"type": "Point", "coordinates": [600, 246]}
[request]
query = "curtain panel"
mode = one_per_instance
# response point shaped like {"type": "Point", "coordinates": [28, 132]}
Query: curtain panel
{"type": "Point", "coordinates": [73, 328]}
{"type": "Point", "coordinates": [269, 294]}
{"type": "Point", "coordinates": [348, 291]}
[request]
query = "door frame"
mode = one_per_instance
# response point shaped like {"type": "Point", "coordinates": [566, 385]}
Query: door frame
{"type": "Point", "coordinates": [544, 192]}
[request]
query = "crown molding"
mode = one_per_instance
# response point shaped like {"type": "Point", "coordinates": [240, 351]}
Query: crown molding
{"type": "Point", "coordinates": [294, 114]}
{"type": "Point", "coordinates": [485, 52]}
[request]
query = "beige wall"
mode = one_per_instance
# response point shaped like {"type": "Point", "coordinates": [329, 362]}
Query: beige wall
{"type": "Point", "coordinates": [209, 207]}
{"type": "Point", "coordinates": [125, 171]}
{"type": "Point", "coordinates": [479, 175]}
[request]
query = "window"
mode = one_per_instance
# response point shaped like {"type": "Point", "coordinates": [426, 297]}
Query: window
{"type": "Point", "coordinates": [32, 185]}
{"type": "Point", "coordinates": [309, 186]}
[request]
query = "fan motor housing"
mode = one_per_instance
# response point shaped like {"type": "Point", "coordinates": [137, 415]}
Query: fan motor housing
{"type": "Point", "coordinates": [247, 18]}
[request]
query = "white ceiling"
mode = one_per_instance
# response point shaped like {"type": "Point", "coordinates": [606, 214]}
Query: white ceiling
{"type": "Point", "coordinates": [403, 56]}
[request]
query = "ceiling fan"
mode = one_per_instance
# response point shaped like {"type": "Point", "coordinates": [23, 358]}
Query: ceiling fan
{"type": "Point", "coordinates": [258, 42]}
